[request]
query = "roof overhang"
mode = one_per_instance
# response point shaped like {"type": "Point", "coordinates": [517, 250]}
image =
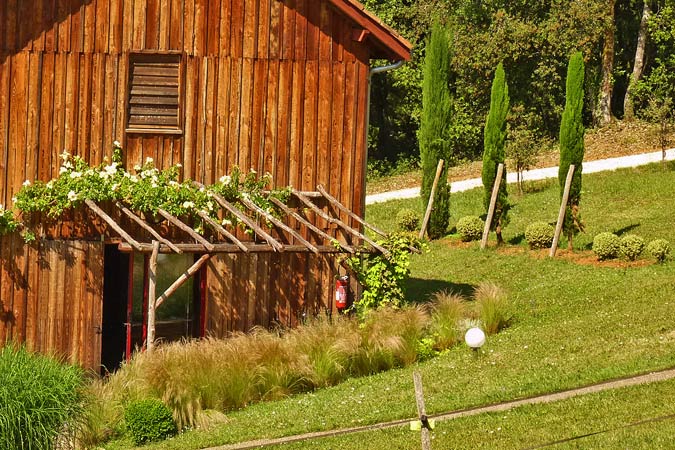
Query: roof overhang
{"type": "Point", "coordinates": [385, 41]}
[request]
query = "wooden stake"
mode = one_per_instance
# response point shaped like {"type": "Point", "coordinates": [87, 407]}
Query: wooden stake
{"type": "Point", "coordinates": [182, 279]}
{"type": "Point", "coordinates": [493, 203]}
{"type": "Point", "coordinates": [152, 293]}
{"type": "Point", "coordinates": [421, 411]}
{"type": "Point", "coordinates": [430, 205]}
{"type": "Point", "coordinates": [563, 210]}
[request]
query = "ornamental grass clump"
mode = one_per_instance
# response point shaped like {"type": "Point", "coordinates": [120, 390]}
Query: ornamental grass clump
{"type": "Point", "coordinates": [41, 400]}
{"type": "Point", "coordinates": [470, 228]}
{"type": "Point", "coordinates": [539, 235]}
{"type": "Point", "coordinates": [447, 311]}
{"type": "Point", "coordinates": [659, 249]}
{"type": "Point", "coordinates": [493, 307]}
{"type": "Point", "coordinates": [606, 245]}
{"type": "Point", "coordinates": [631, 246]}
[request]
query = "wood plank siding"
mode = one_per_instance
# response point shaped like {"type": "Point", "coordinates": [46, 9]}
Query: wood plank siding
{"type": "Point", "coordinates": [277, 86]}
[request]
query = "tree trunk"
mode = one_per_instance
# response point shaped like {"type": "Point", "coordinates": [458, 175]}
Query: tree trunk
{"type": "Point", "coordinates": [603, 114]}
{"type": "Point", "coordinates": [638, 66]}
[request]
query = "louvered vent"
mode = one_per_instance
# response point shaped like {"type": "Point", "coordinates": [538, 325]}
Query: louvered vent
{"type": "Point", "coordinates": [154, 93]}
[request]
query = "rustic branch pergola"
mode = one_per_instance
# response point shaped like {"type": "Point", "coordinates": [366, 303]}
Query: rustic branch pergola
{"type": "Point", "coordinates": [219, 239]}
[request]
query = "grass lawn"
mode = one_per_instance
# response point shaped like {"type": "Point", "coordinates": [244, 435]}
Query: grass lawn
{"type": "Point", "coordinates": [575, 324]}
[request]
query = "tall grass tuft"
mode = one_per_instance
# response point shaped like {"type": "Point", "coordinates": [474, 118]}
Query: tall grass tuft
{"type": "Point", "coordinates": [40, 399]}
{"type": "Point", "coordinates": [493, 307]}
{"type": "Point", "coordinates": [447, 311]}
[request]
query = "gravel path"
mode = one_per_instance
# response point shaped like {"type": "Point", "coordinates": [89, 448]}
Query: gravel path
{"type": "Point", "coordinates": [599, 165]}
{"type": "Point", "coordinates": [652, 377]}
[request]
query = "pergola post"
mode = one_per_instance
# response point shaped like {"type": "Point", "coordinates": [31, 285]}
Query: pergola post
{"type": "Point", "coordinates": [152, 294]}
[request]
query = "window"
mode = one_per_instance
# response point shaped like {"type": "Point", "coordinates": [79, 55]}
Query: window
{"type": "Point", "coordinates": [154, 102]}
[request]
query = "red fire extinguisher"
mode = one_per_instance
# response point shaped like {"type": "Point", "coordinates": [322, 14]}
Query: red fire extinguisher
{"type": "Point", "coordinates": [341, 290]}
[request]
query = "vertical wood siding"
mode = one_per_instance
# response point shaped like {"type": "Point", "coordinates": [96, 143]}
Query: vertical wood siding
{"type": "Point", "coordinates": [274, 85]}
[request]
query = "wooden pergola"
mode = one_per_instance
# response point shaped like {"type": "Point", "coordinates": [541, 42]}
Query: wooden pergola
{"type": "Point", "coordinates": [224, 240]}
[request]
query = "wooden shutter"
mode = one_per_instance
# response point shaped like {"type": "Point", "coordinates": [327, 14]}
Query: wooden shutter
{"type": "Point", "coordinates": [154, 93]}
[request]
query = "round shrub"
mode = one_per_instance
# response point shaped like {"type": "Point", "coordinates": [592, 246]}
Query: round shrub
{"type": "Point", "coordinates": [39, 398]}
{"type": "Point", "coordinates": [659, 249]}
{"type": "Point", "coordinates": [149, 420]}
{"type": "Point", "coordinates": [539, 235]}
{"type": "Point", "coordinates": [470, 228]}
{"type": "Point", "coordinates": [407, 220]}
{"type": "Point", "coordinates": [631, 246]}
{"type": "Point", "coordinates": [606, 245]}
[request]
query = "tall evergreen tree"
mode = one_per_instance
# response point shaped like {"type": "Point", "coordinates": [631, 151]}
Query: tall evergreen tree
{"type": "Point", "coordinates": [572, 144]}
{"type": "Point", "coordinates": [433, 132]}
{"type": "Point", "coordinates": [493, 153]}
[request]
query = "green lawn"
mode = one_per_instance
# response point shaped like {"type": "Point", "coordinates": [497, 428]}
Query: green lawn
{"type": "Point", "coordinates": [574, 325]}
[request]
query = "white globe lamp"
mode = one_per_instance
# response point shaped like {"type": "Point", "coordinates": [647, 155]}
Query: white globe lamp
{"type": "Point", "coordinates": [474, 338]}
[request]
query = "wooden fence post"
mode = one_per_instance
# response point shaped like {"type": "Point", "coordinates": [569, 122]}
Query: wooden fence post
{"type": "Point", "coordinates": [493, 203]}
{"type": "Point", "coordinates": [427, 215]}
{"type": "Point", "coordinates": [561, 213]}
{"type": "Point", "coordinates": [152, 294]}
{"type": "Point", "coordinates": [421, 411]}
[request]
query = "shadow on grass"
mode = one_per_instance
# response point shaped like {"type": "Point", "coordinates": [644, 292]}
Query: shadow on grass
{"type": "Point", "coordinates": [516, 240]}
{"type": "Point", "coordinates": [533, 186]}
{"type": "Point", "coordinates": [626, 229]}
{"type": "Point", "coordinates": [420, 290]}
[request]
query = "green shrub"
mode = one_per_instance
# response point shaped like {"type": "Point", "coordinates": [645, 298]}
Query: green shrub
{"type": "Point", "coordinates": [40, 399]}
{"type": "Point", "coordinates": [539, 235]}
{"type": "Point", "coordinates": [659, 249]}
{"type": "Point", "coordinates": [149, 420]}
{"type": "Point", "coordinates": [631, 246]}
{"type": "Point", "coordinates": [493, 307]}
{"type": "Point", "coordinates": [470, 228]}
{"type": "Point", "coordinates": [606, 245]}
{"type": "Point", "coordinates": [407, 220]}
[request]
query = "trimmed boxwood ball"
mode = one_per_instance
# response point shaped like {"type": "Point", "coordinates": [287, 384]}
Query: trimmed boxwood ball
{"type": "Point", "coordinates": [631, 246]}
{"type": "Point", "coordinates": [659, 249]}
{"type": "Point", "coordinates": [149, 420]}
{"type": "Point", "coordinates": [606, 245]}
{"type": "Point", "coordinates": [407, 220]}
{"type": "Point", "coordinates": [539, 235]}
{"type": "Point", "coordinates": [470, 228]}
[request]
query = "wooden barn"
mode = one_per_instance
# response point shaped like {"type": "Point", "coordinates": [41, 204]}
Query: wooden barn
{"type": "Point", "coordinates": [279, 86]}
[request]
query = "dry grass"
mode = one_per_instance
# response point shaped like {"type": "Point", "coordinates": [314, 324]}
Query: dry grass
{"type": "Point", "coordinates": [447, 310]}
{"type": "Point", "coordinates": [492, 307]}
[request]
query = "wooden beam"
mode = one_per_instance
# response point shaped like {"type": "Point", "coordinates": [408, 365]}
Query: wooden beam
{"type": "Point", "coordinates": [421, 411]}
{"type": "Point", "coordinates": [147, 227]}
{"type": "Point", "coordinates": [152, 292]}
{"type": "Point", "coordinates": [430, 203]}
{"type": "Point", "coordinates": [109, 220]}
{"type": "Point", "coordinates": [220, 229]}
{"type": "Point", "coordinates": [563, 210]}
{"type": "Point", "coordinates": [249, 204]}
{"type": "Point", "coordinates": [491, 209]}
{"type": "Point", "coordinates": [333, 201]}
{"type": "Point", "coordinates": [278, 246]}
{"type": "Point", "coordinates": [228, 248]}
{"type": "Point", "coordinates": [340, 223]}
{"type": "Point", "coordinates": [196, 236]}
{"type": "Point", "coordinates": [309, 224]}
{"type": "Point", "coordinates": [182, 279]}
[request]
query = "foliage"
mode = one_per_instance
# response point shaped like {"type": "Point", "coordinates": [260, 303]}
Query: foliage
{"type": "Point", "coordinates": [493, 155]}
{"type": "Point", "coordinates": [433, 133]}
{"type": "Point", "coordinates": [659, 249]}
{"type": "Point", "coordinates": [8, 223]}
{"type": "Point", "coordinates": [523, 144]}
{"type": "Point", "coordinates": [407, 219]}
{"type": "Point", "coordinates": [606, 245]}
{"type": "Point", "coordinates": [402, 164]}
{"type": "Point", "coordinates": [40, 399]}
{"type": "Point", "coordinates": [470, 228]}
{"type": "Point", "coordinates": [383, 277]}
{"type": "Point", "coordinates": [539, 235]}
{"type": "Point", "coordinates": [447, 309]}
{"type": "Point", "coordinates": [147, 190]}
{"type": "Point", "coordinates": [631, 246]}
{"type": "Point", "coordinates": [493, 307]}
{"type": "Point", "coordinates": [572, 144]}
{"type": "Point", "coordinates": [149, 420]}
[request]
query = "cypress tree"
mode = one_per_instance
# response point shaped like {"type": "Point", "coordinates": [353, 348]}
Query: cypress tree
{"type": "Point", "coordinates": [433, 132]}
{"type": "Point", "coordinates": [493, 153]}
{"type": "Point", "coordinates": [572, 144]}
